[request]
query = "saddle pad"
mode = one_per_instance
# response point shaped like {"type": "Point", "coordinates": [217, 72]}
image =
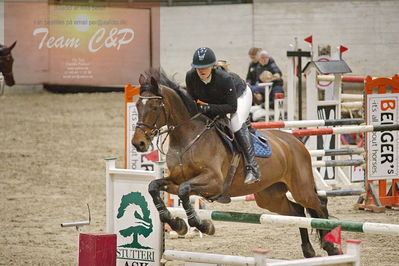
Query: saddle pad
{"type": "Point", "coordinates": [261, 145]}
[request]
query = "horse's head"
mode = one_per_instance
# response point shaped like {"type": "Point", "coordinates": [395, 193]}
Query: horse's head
{"type": "Point", "coordinates": [151, 113]}
{"type": "Point", "coordinates": [6, 62]}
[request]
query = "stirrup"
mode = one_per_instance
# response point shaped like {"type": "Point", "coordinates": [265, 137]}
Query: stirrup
{"type": "Point", "coordinates": [251, 177]}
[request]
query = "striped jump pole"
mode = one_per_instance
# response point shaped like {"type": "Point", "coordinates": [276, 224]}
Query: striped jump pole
{"type": "Point", "coordinates": [308, 123]}
{"type": "Point", "coordinates": [342, 130]}
{"type": "Point", "coordinates": [335, 152]}
{"type": "Point", "coordinates": [348, 79]}
{"type": "Point", "coordinates": [302, 222]}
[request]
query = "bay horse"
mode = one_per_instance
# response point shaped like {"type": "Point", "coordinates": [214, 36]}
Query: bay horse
{"type": "Point", "coordinates": [198, 162]}
{"type": "Point", "coordinates": [6, 61]}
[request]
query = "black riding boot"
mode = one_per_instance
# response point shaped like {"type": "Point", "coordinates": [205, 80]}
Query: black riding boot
{"type": "Point", "coordinates": [244, 140]}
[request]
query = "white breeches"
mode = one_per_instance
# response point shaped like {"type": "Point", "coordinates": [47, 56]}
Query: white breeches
{"type": "Point", "coordinates": [244, 103]}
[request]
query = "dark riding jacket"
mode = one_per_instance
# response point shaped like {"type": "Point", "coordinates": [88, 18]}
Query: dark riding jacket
{"type": "Point", "coordinates": [220, 93]}
{"type": "Point", "coordinates": [272, 67]}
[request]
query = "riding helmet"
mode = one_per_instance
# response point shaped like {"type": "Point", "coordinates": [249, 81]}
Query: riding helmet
{"type": "Point", "coordinates": [203, 57]}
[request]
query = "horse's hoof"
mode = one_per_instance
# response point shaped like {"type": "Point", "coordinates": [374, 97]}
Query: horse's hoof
{"type": "Point", "coordinates": [330, 249]}
{"type": "Point", "coordinates": [207, 227]}
{"type": "Point", "coordinates": [308, 251]}
{"type": "Point", "coordinates": [225, 198]}
{"type": "Point", "coordinates": [179, 225]}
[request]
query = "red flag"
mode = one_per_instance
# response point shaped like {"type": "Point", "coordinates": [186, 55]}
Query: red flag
{"type": "Point", "coordinates": [334, 236]}
{"type": "Point", "coordinates": [342, 49]}
{"type": "Point", "coordinates": [152, 156]}
{"type": "Point", "coordinates": [309, 39]}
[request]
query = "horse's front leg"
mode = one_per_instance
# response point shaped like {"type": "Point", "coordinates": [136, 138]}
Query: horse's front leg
{"type": "Point", "coordinates": [196, 186]}
{"type": "Point", "coordinates": [155, 187]}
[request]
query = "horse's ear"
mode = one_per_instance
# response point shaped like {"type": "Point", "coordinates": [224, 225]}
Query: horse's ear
{"type": "Point", "coordinates": [12, 45]}
{"type": "Point", "coordinates": [141, 79]}
{"type": "Point", "coordinates": [154, 83]}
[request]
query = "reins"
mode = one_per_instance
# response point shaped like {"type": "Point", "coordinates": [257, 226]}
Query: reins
{"type": "Point", "coordinates": [192, 142]}
{"type": "Point", "coordinates": [157, 131]}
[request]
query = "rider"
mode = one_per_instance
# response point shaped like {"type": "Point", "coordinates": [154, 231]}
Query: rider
{"type": "Point", "coordinates": [224, 93]}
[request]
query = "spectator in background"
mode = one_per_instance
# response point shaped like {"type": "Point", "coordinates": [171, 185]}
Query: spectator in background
{"type": "Point", "coordinates": [267, 71]}
{"type": "Point", "coordinates": [251, 75]}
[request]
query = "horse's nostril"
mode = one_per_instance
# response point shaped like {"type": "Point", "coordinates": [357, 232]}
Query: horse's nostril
{"type": "Point", "coordinates": [142, 144]}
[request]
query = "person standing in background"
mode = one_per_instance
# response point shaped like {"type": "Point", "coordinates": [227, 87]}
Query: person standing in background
{"type": "Point", "coordinates": [267, 71]}
{"type": "Point", "coordinates": [251, 78]}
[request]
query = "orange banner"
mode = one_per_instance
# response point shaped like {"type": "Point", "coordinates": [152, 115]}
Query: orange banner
{"type": "Point", "coordinates": [78, 44]}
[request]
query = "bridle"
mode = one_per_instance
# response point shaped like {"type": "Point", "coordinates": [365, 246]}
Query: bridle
{"type": "Point", "coordinates": [154, 130]}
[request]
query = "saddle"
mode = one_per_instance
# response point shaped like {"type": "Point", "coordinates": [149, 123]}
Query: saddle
{"type": "Point", "coordinates": [261, 147]}
{"type": "Point", "coordinates": [260, 143]}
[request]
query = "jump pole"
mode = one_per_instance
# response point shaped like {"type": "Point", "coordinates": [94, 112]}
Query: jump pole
{"type": "Point", "coordinates": [308, 123]}
{"type": "Point", "coordinates": [343, 130]}
{"type": "Point", "coordinates": [340, 130]}
{"type": "Point", "coordinates": [333, 163]}
{"type": "Point", "coordinates": [347, 79]}
{"type": "Point", "coordinates": [351, 257]}
{"type": "Point", "coordinates": [334, 152]}
{"type": "Point", "coordinates": [322, 193]}
{"type": "Point", "coordinates": [302, 222]}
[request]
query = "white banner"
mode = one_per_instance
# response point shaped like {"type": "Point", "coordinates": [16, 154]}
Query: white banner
{"type": "Point", "coordinates": [132, 216]}
{"type": "Point", "coordinates": [383, 149]}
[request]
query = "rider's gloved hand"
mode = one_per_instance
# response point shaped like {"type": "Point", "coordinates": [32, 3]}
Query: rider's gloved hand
{"type": "Point", "coordinates": [203, 108]}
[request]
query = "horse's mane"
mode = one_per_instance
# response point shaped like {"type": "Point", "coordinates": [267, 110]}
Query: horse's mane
{"type": "Point", "coordinates": [160, 76]}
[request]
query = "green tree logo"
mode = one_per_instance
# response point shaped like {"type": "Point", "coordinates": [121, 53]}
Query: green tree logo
{"type": "Point", "coordinates": [143, 224]}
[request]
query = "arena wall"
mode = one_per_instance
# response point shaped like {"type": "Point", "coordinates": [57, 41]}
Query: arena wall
{"type": "Point", "coordinates": [227, 29]}
{"type": "Point", "coordinates": [370, 30]}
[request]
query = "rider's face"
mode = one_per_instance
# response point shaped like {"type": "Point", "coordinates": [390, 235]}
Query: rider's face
{"type": "Point", "coordinates": [204, 73]}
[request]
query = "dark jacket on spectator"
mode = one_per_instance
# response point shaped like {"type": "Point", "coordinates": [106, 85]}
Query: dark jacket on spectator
{"type": "Point", "coordinates": [272, 68]}
{"type": "Point", "coordinates": [251, 75]}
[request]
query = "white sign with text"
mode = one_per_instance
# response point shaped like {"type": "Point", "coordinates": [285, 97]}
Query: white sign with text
{"type": "Point", "coordinates": [383, 149]}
